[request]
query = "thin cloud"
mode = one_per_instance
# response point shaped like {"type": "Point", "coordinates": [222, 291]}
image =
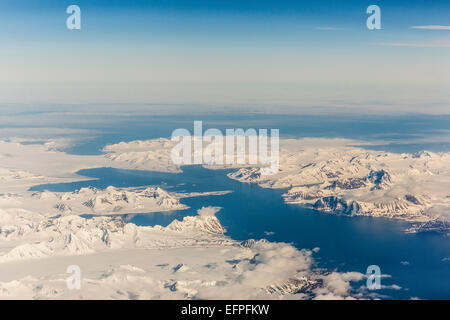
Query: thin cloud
{"type": "Point", "coordinates": [437, 44]}
{"type": "Point", "coordinates": [431, 27]}
{"type": "Point", "coordinates": [326, 28]}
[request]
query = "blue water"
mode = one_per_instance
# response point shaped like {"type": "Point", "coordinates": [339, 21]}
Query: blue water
{"type": "Point", "coordinates": [346, 244]}
{"type": "Point", "coordinates": [398, 131]}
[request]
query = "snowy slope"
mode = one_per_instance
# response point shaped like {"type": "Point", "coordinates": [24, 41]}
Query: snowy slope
{"type": "Point", "coordinates": [355, 181]}
{"type": "Point", "coordinates": [189, 259]}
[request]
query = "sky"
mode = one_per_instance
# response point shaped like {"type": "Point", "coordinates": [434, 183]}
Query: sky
{"type": "Point", "coordinates": [296, 53]}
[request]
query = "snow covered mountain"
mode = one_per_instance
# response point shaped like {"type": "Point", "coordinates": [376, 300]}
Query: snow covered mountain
{"type": "Point", "coordinates": [152, 155]}
{"type": "Point", "coordinates": [189, 259]}
{"type": "Point", "coordinates": [95, 201]}
{"type": "Point", "coordinates": [435, 225]}
{"type": "Point", "coordinates": [114, 200]}
{"type": "Point", "coordinates": [353, 181]}
{"type": "Point", "coordinates": [34, 237]}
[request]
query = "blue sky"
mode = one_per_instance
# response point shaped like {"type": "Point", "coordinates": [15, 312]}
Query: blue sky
{"type": "Point", "coordinates": [225, 52]}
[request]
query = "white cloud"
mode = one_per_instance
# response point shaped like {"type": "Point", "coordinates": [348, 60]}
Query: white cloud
{"type": "Point", "coordinates": [337, 285]}
{"type": "Point", "coordinates": [208, 211]}
{"type": "Point", "coordinates": [392, 287]}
